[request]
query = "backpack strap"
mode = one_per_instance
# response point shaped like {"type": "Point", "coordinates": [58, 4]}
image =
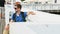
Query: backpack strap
{"type": "Point", "coordinates": [14, 17]}
{"type": "Point", "coordinates": [23, 16]}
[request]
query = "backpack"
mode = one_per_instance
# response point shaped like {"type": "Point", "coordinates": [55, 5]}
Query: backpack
{"type": "Point", "coordinates": [14, 17]}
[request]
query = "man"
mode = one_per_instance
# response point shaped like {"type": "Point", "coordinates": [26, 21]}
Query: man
{"type": "Point", "coordinates": [20, 16]}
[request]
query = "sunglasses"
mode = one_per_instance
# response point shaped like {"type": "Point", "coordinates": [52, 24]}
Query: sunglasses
{"type": "Point", "coordinates": [15, 8]}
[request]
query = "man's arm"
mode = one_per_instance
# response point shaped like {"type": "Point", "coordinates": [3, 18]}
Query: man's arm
{"type": "Point", "coordinates": [32, 13]}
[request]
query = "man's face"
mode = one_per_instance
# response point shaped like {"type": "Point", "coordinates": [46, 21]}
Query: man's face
{"type": "Point", "coordinates": [17, 9]}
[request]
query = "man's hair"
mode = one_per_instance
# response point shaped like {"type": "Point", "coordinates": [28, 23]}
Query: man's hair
{"type": "Point", "coordinates": [19, 6]}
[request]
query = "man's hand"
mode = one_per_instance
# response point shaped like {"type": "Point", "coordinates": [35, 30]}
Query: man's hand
{"type": "Point", "coordinates": [32, 13]}
{"type": "Point", "coordinates": [7, 27]}
{"type": "Point", "coordinates": [6, 30]}
{"type": "Point", "coordinates": [11, 21]}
